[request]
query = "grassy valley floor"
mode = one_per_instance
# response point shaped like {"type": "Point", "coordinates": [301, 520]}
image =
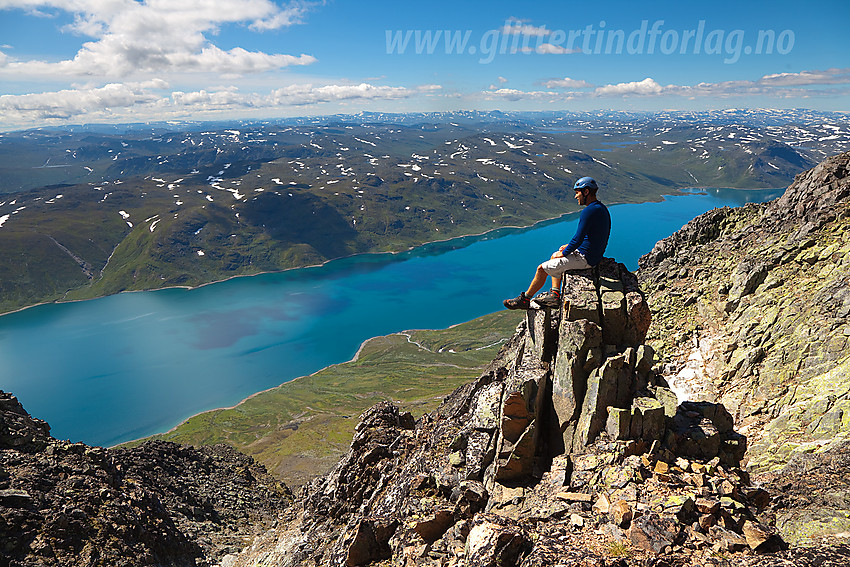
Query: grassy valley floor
{"type": "Point", "coordinates": [301, 428]}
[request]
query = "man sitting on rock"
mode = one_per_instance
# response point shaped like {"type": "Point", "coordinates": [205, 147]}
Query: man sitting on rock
{"type": "Point", "coordinates": [584, 251]}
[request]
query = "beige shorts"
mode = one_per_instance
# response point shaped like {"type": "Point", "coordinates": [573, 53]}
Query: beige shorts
{"type": "Point", "coordinates": [556, 267]}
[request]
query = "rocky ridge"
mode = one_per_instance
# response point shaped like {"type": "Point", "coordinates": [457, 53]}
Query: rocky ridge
{"type": "Point", "coordinates": [570, 449]}
{"type": "Point", "coordinates": [69, 504]}
{"type": "Point", "coordinates": [752, 310]}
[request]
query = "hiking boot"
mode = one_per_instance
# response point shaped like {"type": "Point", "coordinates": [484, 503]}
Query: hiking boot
{"type": "Point", "coordinates": [519, 302]}
{"type": "Point", "coordinates": [549, 299]}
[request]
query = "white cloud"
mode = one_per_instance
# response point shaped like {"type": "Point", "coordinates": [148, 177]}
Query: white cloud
{"type": "Point", "coordinates": [516, 95]}
{"type": "Point", "coordinates": [224, 99]}
{"type": "Point", "coordinates": [514, 26]}
{"type": "Point", "coordinates": [566, 83]}
{"type": "Point", "coordinates": [151, 100]}
{"type": "Point", "coordinates": [827, 77]}
{"type": "Point", "coordinates": [65, 104]}
{"type": "Point", "coordinates": [647, 86]}
{"type": "Point", "coordinates": [297, 95]}
{"type": "Point", "coordinates": [780, 86]}
{"type": "Point", "coordinates": [552, 49]}
{"type": "Point", "coordinates": [284, 17]}
{"type": "Point", "coordinates": [159, 36]}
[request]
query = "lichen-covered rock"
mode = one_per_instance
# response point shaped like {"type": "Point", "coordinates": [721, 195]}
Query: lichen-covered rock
{"type": "Point", "coordinates": [564, 428]}
{"type": "Point", "coordinates": [767, 285]}
{"type": "Point", "coordinates": [575, 360]}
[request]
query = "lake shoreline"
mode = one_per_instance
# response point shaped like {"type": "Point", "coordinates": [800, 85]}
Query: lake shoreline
{"type": "Point", "coordinates": [536, 224]}
{"type": "Point", "coordinates": [689, 190]}
{"type": "Point", "coordinates": [281, 332]}
{"type": "Point", "coordinates": [255, 394]}
{"type": "Point", "coordinates": [683, 192]}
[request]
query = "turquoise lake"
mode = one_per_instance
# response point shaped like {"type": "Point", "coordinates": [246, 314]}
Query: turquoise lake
{"type": "Point", "coordinates": [118, 368]}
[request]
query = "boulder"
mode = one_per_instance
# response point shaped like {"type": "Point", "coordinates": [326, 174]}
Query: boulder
{"type": "Point", "coordinates": [652, 532]}
{"type": "Point", "coordinates": [703, 430]}
{"type": "Point", "coordinates": [541, 333]}
{"type": "Point", "coordinates": [569, 380]}
{"type": "Point", "coordinates": [761, 538]}
{"type": "Point", "coordinates": [432, 527]}
{"type": "Point", "coordinates": [647, 419]}
{"type": "Point", "coordinates": [620, 513]}
{"type": "Point", "coordinates": [494, 542]}
{"type": "Point", "coordinates": [608, 386]}
{"type": "Point", "coordinates": [600, 361]}
{"type": "Point", "coordinates": [581, 298]}
{"type": "Point", "coordinates": [370, 541]}
{"type": "Point", "coordinates": [619, 423]}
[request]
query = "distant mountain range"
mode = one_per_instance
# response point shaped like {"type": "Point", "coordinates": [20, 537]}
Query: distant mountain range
{"type": "Point", "coordinates": [87, 211]}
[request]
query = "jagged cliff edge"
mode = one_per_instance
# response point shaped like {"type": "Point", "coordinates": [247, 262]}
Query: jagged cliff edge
{"type": "Point", "coordinates": [527, 466]}
{"type": "Point", "coordinates": [570, 449]}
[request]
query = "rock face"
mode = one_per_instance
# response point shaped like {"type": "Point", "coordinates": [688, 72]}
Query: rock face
{"type": "Point", "coordinates": [568, 434]}
{"type": "Point", "coordinates": [157, 504]}
{"type": "Point", "coordinates": [760, 295]}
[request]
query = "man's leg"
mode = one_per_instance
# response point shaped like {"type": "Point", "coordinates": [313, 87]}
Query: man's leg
{"type": "Point", "coordinates": [556, 284]}
{"type": "Point", "coordinates": [522, 302]}
{"type": "Point", "coordinates": [555, 266]}
{"type": "Point", "coordinates": [538, 281]}
{"type": "Point", "coordinates": [556, 275]}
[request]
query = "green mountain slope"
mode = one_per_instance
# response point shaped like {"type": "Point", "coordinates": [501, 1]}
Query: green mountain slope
{"type": "Point", "coordinates": [145, 209]}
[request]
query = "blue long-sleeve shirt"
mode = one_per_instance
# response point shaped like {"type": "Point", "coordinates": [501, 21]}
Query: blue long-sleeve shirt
{"type": "Point", "coordinates": [591, 238]}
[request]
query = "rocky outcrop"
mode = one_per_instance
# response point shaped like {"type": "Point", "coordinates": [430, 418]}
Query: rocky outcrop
{"type": "Point", "coordinates": [67, 503]}
{"type": "Point", "coordinates": [759, 297]}
{"type": "Point", "coordinates": [571, 448]}
{"type": "Point", "coordinates": [570, 445]}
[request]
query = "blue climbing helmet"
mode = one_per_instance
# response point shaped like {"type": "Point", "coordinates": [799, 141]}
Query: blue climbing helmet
{"type": "Point", "coordinates": [586, 183]}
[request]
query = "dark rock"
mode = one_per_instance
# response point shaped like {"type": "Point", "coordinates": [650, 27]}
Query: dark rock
{"type": "Point", "coordinates": [653, 533]}
{"type": "Point", "coordinates": [18, 429]}
{"type": "Point", "coordinates": [703, 430]}
{"type": "Point", "coordinates": [495, 542]}
{"type": "Point", "coordinates": [157, 504]}
{"type": "Point", "coordinates": [370, 541]}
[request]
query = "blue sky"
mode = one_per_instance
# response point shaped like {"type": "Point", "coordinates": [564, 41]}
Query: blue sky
{"type": "Point", "coordinates": [83, 61]}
